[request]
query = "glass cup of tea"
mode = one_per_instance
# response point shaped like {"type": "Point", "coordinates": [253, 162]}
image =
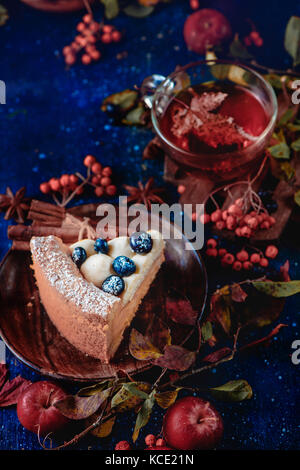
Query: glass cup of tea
{"type": "Point", "coordinates": [212, 117]}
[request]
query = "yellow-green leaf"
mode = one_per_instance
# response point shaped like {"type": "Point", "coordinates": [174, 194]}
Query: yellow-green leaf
{"type": "Point", "coordinates": [235, 390]}
{"type": "Point", "coordinates": [141, 347]}
{"type": "Point", "coordinates": [111, 8]}
{"type": "Point", "coordinates": [104, 429]}
{"type": "Point", "coordinates": [296, 145]}
{"type": "Point", "coordinates": [94, 389]}
{"type": "Point", "coordinates": [206, 331]}
{"type": "Point", "coordinates": [278, 289]}
{"type": "Point", "coordinates": [297, 197]}
{"type": "Point", "coordinates": [124, 400]}
{"type": "Point", "coordinates": [143, 416]}
{"type": "Point", "coordinates": [3, 15]}
{"type": "Point", "coordinates": [281, 150]}
{"type": "Point", "coordinates": [166, 399]}
{"type": "Point", "coordinates": [292, 39]}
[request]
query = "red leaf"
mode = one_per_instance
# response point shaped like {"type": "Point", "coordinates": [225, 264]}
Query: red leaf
{"type": "Point", "coordinates": [3, 374]}
{"type": "Point", "coordinates": [217, 355]}
{"type": "Point", "coordinates": [176, 358]}
{"type": "Point", "coordinates": [237, 293]}
{"type": "Point", "coordinates": [266, 339]}
{"type": "Point", "coordinates": [10, 392]}
{"type": "Point", "coordinates": [284, 271]}
{"type": "Point", "coordinates": [181, 311]}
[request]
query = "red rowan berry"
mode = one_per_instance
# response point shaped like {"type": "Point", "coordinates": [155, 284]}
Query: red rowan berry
{"type": "Point", "coordinates": [95, 180]}
{"type": "Point", "coordinates": [96, 168]}
{"type": "Point", "coordinates": [89, 160]}
{"type": "Point", "coordinates": [247, 41]}
{"type": "Point", "coordinates": [111, 190]}
{"type": "Point", "coordinates": [238, 232]}
{"type": "Point", "coordinates": [116, 36]}
{"type": "Point", "coordinates": [160, 442]}
{"type": "Point", "coordinates": [86, 59]}
{"type": "Point", "coordinates": [242, 255]}
{"type": "Point", "coordinates": [224, 215]}
{"type": "Point", "coordinates": [181, 189]}
{"type": "Point", "coordinates": [107, 171]}
{"type": "Point", "coordinates": [271, 251]}
{"type": "Point", "coordinates": [64, 180]}
{"type": "Point", "coordinates": [247, 265]}
{"type": "Point", "coordinates": [211, 243]}
{"type": "Point", "coordinates": [91, 39]}
{"type": "Point", "coordinates": [205, 218]}
{"type": "Point", "coordinates": [255, 258]}
{"type": "Point", "coordinates": [95, 55]}
{"type": "Point", "coordinates": [252, 223]}
{"type": "Point", "coordinates": [216, 215]}
{"type": "Point", "coordinates": [54, 184]}
{"type": "Point", "coordinates": [264, 262]}
{"type": "Point", "coordinates": [228, 259]}
{"type": "Point", "coordinates": [87, 18]}
{"type": "Point", "coordinates": [194, 4]}
{"type": "Point", "coordinates": [80, 27]}
{"type": "Point", "coordinates": [220, 225]}
{"type": "Point", "coordinates": [73, 179]}
{"type": "Point", "coordinates": [106, 38]}
{"type": "Point", "coordinates": [271, 220]}
{"type": "Point", "coordinates": [99, 191]}
{"type": "Point", "coordinates": [222, 252]}
{"type": "Point", "coordinates": [254, 35]}
{"type": "Point", "coordinates": [212, 252]}
{"type": "Point", "coordinates": [67, 50]}
{"type": "Point", "coordinates": [45, 188]}
{"type": "Point", "coordinates": [235, 210]}
{"type": "Point", "coordinates": [265, 225]}
{"type": "Point", "coordinates": [94, 27]}
{"type": "Point", "coordinates": [123, 445]}
{"type": "Point", "coordinates": [231, 222]}
{"type": "Point", "coordinates": [237, 266]}
{"type": "Point", "coordinates": [107, 28]}
{"type": "Point", "coordinates": [70, 59]}
{"type": "Point", "coordinates": [150, 440]}
{"type": "Point", "coordinates": [245, 232]}
{"type": "Point", "coordinates": [239, 202]}
{"type": "Point", "coordinates": [105, 181]}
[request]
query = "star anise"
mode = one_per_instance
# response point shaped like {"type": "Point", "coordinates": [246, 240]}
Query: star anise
{"type": "Point", "coordinates": [146, 194]}
{"type": "Point", "coordinates": [14, 205]}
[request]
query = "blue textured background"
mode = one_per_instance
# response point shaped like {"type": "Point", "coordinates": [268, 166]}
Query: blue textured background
{"type": "Point", "coordinates": [53, 118]}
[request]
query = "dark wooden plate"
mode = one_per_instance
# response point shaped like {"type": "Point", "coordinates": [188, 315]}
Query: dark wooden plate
{"type": "Point", "coordinates": [28, 332]}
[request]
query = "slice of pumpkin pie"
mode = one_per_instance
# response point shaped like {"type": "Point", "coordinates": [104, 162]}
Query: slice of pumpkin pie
{"type": "Point", "coordinates": [92, 289]}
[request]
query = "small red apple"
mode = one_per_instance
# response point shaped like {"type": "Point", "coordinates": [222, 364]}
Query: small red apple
{"type": "Point", "coordinates": [35, 408]}
{"type": "Point", "coordinates": [205, 28]}
{"type": "Point", "coordinates": [192, 423]}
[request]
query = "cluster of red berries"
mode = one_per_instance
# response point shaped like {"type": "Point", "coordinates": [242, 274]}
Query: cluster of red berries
{"type": "Point", "coordinates": [234, 219]}
{"type": "Point", "coordinates": [65, 184]}
{"type": "Point", "coordinates": [151, 442]}
{"type": "Point", "coordinates": [194, 4]}
{"type": "Point", "coordinates": [241, 260]}
{"type": "Point", "coordinates": [101, 179]}
{"type": "Point", "coordinates": [90, 33]}
{"type": "Point", "coordinates": [253, 38]}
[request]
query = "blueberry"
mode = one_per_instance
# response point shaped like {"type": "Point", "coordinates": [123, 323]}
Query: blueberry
{"type": "Point", "coordinates": [101, 246]}
{"type": "Point", "coordinates": [141, 242]}
{"type": "Point", "coordinates": [123, 266]}
{"type": "Point", "coordinates": [79, 256]}
{"type": "Point", "coordinates": [113, 285]}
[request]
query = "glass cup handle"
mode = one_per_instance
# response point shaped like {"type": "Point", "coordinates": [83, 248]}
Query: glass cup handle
{"type": "Point", "coordinates": [148, 88]}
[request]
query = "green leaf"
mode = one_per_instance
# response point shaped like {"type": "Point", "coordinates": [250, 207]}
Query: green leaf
{"type": "Point", "coordinates": [125, 100]}
{"type": "Point", "coordinates": [206, 331]}
{"type": "Point", "coordinates": [277, 289]}
{"type": "Point", "coordinates": [111, 8]}
{"type": "Point", "coordinates": [287, 170]}
{"type": "Point", "coordinates": [141, 347]}
{"type": "Point", "coordinates": [235, 390]}
{"type": "Point", "coordinates": [297, 197]}
{"type": "Point", "coordinates": [274, 80]}
{"type": "Point", "coordinates": [238, 50]}
{"type": "Point", "coordinates": [166, 399]}
{"type": "Point", "coordinates": [124, 400]}
{"type": "Point", "coordinates": [133, 390]}
{"type": "Point", "coordinates": [281, 150]}
{"type": "Point", "coordinates": [138, 11]}
{"type": "Point", "coordinates": [3, 15]}
{"type": "Point", "coordinates": [135, 116]}
{"type": "Point", "coordinates": [296, 145]}
{"type": "Point", "coordinates": [143, 416]}
{"type": "Point", "coordinates": [285, 118]}
{"type": "Point", "coordinates": [292, 39]}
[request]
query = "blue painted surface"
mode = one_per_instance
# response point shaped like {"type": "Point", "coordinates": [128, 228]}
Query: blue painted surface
{"type": "Point", "coordinates": [53, 118]}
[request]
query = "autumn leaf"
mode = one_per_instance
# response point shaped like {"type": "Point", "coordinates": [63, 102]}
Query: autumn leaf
{"type": "Point", "coordinates": [127, 397]}
{"type": "Point", "coordinates": [281, 151]}
{"type": "Point", "coordinates": [220, 308]}
{"type": "Point", "coordinates": [181, 311]}
{"type": "Point", "coordinates": [217, 355]}
{"type": "Point", "coordinates": [11, 391]}
{"type": "Point", "coordinates": [265, 340]}
{"type": "Point", "coordinates": [176, 358]}
{"type": "Point", "coordinates": [297, 197]}
{"type": "Point", "coordinates": [278, 289]}
{"type": "Point", "coordinates": [94, 389]}
{"type": "Point", "coordinates": [124, 100]}
{"type": "Point", "coordinates": [141, 347]}
{"type": "Point", "coordinates": [166, 399]}
{"type": "Point", "coordinates": [111, 8]}
{"type": "Point", "coordinates": [138, 11]}
{"type": "Point", "coordinates": [159, 333]}
{"type": "Point", "coordinates": [143, 415]}
{"type": "Point", "coordinates": [105, 429]}
{"type": "Point", "coordinates": [237, 293]}
{"type": "Point", "coordinates": [77, 407]}
{"type": "Point", "coordinates": [3, 15]}
{"type": "Point", "coordinates": [206, 331]}
{"type": "Point", "coordinates": [292, 39]}
{"type": "Point", "coordinates": [235, 390]}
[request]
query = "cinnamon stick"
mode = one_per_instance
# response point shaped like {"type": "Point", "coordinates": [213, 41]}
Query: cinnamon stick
{"type": "Point", "coordinates": [46, 214]}
{"type": "Point", "coordinates": [24, 232]}
{"type": "Point", "coordinates": [20, 245]}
